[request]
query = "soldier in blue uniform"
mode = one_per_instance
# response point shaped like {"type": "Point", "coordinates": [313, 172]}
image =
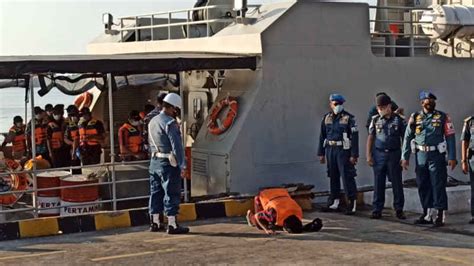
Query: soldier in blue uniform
{"type": "Point", "coordinates": [167, 164]}
{"type": "Point", "coordinates": [430, 134]}
{"type": "Point", "coordinates": [467, 158]}
{"type": "Point", "coordinates": [339, 144]}
{"type": "Point", "coordinates": [384, 144]}
{"type": "Point", "coordinates": [373, 110]}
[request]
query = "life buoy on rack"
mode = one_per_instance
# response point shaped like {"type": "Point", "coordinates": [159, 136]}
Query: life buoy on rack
{"type": "Point", "coordinates": [217, 127]}
{"type": "Point", "coordinates": [12, 182]}
{"type": "Point", "coordinates": [84, 100]}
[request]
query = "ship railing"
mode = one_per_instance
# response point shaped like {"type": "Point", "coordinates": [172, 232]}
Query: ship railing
{"type": "Point", "coordinates": [169, 16]}
{"type": "Point", "coordinates": [411, 24]}
{"type": "Point", "coordinates": [111, 197]}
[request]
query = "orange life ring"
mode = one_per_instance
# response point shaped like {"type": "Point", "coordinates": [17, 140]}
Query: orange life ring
{"type": "Point", "coordinates": [84, 100]}
{"type": "Point", "coordinates": [17, 182]}
{"type": "Point", "coordinates": [215, 126]}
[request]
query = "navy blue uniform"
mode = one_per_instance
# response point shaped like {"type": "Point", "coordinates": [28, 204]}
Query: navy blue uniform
{"type": "Point", "coordinates": [468, 136]}
{"type": "Point", "coordinates": [338, 141]}
{"type": "Point", "coordinates": [388, 135]}
{"type": "Point", "coordinates": [434, 136]}
{"type": "Point", "coordinates": [165, 180]}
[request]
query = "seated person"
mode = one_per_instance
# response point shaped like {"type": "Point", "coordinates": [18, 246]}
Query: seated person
{"type": "Point", "coordinates": [276, 210]}
{"type": "Point", "coordinates": [131, 139]}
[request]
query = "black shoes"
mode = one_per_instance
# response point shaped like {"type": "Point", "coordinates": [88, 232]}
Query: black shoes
{"type": "Point", "coordinates": [471, 221]}
{"type": "Point", "coordinates": [178, 230]}
{"type": "Point", "coordinates": [157, 228]}
{"type": "Point", "coordinates": [351, 207]}
{"type": "Point", "coordinates": [439, 221]}
{"type": "Point", "coordinates": [376, 215]}
{"type": "Point", "coordinates": [400, 214]}
{"type": "Point", "coordinates": [425, 218]}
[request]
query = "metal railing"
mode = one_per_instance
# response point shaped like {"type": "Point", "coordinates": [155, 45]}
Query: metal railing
{"type": "Point", "coordinates": [411, 30]}
{"type": "Point", "coordinates": [169, 16]}
{"type": "Point", "coordinates": [35, 209]}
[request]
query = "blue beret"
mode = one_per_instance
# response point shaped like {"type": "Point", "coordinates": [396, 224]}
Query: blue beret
{"type": "Point", "coordinates": [427, 95]}
{"type": "Point", "coordinates": [337, 98]}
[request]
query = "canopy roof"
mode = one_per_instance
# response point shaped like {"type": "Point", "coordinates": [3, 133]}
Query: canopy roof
{"type": "Point", "coordinates": [14, 67]}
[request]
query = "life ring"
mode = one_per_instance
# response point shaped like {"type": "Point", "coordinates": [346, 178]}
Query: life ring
{"type": "Point", "coordinates": [215, 126]}
{"type": "Point", "coordinates": [84, 100]}
{"type": "Point", "coordinates": [12, 182]}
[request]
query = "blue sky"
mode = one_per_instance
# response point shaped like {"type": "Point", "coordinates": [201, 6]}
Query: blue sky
{"type": "Point", "coordinates": [29, 27]}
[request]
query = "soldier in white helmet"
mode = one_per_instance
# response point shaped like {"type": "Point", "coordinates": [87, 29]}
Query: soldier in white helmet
{"type": "Point", "coordinates": [167, 165]}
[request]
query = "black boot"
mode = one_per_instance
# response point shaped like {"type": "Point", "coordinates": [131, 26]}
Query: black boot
{"type": "Point", "coordinates": [351, 207]}
{"type": "Point", "coordinates": [472, 220]}
{"type": "Point", "coordinates": [154, 227]}
{"type": "Point", "coordinates": [332, 205]}
{"type": "Point", "coordinates": [400, 214]}
{"type": "Point", "coordinates": [425, 218]}
{"type": "Point", "coordinates": [439, 221]}
{"type": "Point", "coordinates": [177, 230]}
{"type": "Point", "coordinates": [376, 215]}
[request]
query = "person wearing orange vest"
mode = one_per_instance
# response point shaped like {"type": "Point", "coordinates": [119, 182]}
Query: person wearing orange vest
{"type": "Point", "coordinates": [131, 139]}
{"type": "Point", "coordinates": [91, 138]}
{"type": "Point", "coordinates": [16, 136]}
{"type": "Point", "coordinates": [40, 134]}
{"type": "Point", "coordinates": [71, 136]}
{"type": "Point", "coordinates": [275, 210]}
{"type": "Point", "coordinates": [55, 138]}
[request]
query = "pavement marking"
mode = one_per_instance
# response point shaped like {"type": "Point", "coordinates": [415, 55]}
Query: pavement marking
{"type": "Point", "coordinates": [166, 238]}
{"type": "Point", "coordinates": [133, 255]}
{"type": "Point", "coordinates": [32, 255]}
{"type": "Point", "coordinates": [423, 253]}
{"type": "Point", "coordinates": [335, 228]}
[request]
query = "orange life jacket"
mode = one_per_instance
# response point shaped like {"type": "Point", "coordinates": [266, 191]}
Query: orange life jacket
{"type": "Point", "coordinates": [281, 202]}
{"type": "Point", "coordinates": [57, 136]}
{"type": "Point", "coordinates": [40, 133]}
{"type": "Point", "coordinates": [133, 140]}
{"type": "Point", "coordinates": [19, 139]}
{"type": "Point", "coordinates": [72, 130]}
{"type": "Point", "coordinates": [88, 129]}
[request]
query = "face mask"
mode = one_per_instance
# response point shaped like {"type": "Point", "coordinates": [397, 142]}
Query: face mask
{"type": "Point", "coordinates": [49, 113]}
{"type": "Point", "coordinates": [19, 124]}
{"type": "Point", "coordinates": [135, 123]}
{"type": "Point", "coordinates": [383, 112]}
{"type": "Point", "coordinates": [74, 119]}
{"type": "Point", "coordinates": [38, 117]}
{"type": "Point", "coordinates": [56, 117]}
{"type": "Point", "coordinates": [337, 109]}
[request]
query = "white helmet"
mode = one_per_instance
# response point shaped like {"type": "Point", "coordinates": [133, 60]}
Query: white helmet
{"type": "Point", "coordinates": [173, 99]}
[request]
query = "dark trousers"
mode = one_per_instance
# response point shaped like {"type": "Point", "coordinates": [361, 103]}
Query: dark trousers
{"type": "Point", "coordinates": [387, 165]}
{"type": "Point", "coordinates": [431, 179]}
{"type": "Point", "coordinates": [60, 158]}
{"type": "Point", "coordinates": [165, 188]}
{"type": "Point", "coordinates": [471, 176]}
{"type": "Point", "coordinates": [339, 166]}
{"type": "Point", "coordinates": [91, 154]}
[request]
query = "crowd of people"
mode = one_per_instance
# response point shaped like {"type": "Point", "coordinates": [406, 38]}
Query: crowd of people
{"type": "Point", "coordinates": [78, 137]}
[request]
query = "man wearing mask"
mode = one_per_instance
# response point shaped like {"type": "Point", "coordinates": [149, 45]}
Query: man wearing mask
{"type": "Point", "coordinates": [49, 113]}
{"type": "Point", "coordinates": [373, 110]}
{"type": "Point", "coordinates": [149, 116]}
{"type": "Point", "coordinates": [71, 136]}
{"type": "Point", "coordinates": [91, 136]}
{"type": "Point", "coordinates": [430, 135]}
{"type": "Point", "coordinates": [40, 133]}
{"type": "Point", "coordinates": [167, 166]}
{"type": "Point", "coordinates": [339, 144]}
{"type": "Point", "coordinates": [130, 138]}
{"type": "Point", "coordinates": [16, 136]}
{"type": "Point", "coordinates": [467, 158]}
{"type": "Point", "coordinates": [384, 144]}
{"type": "Point", "coordinates": [55, 137]}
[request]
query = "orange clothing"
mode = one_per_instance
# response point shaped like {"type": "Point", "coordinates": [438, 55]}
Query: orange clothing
{"type": "Point", "coordinates": [280, 201]}
{"type": "Point", "coordinates": [131, 138]}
